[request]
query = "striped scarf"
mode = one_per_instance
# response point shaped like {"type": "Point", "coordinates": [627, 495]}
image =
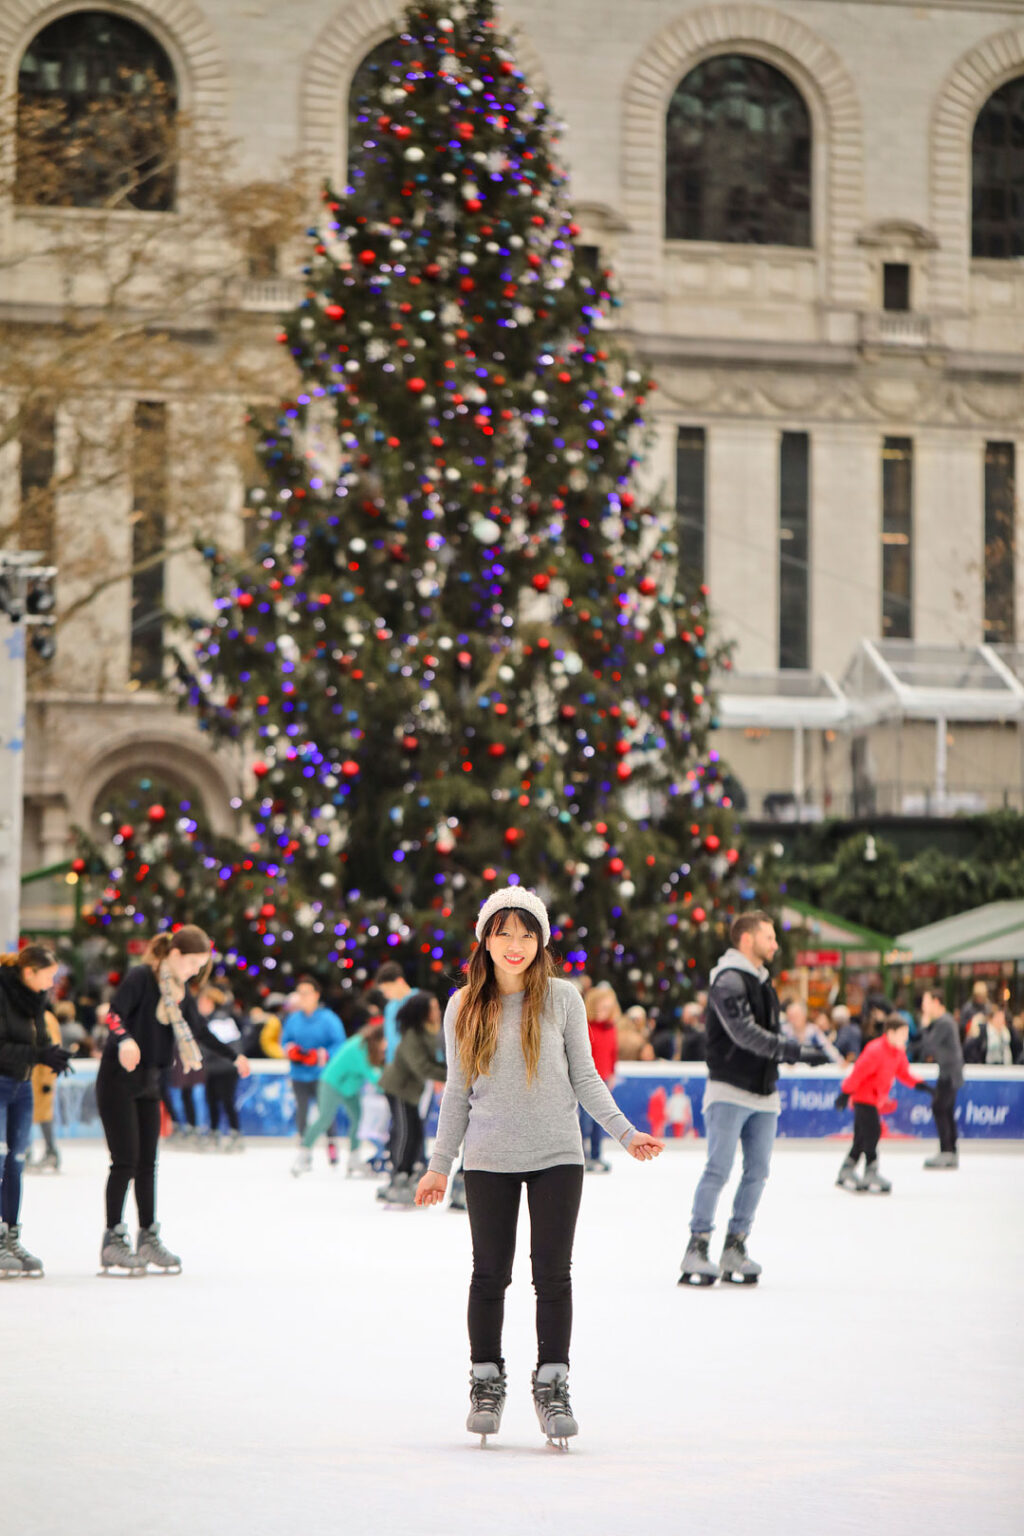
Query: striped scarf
{"type": "Point", "coordinates": [188, 1051]}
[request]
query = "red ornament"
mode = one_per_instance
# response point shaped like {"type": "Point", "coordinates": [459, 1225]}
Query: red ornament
{"type": "Point", "coordinates": [333, 311]}
{"type": "Point", "coordinates": [732, 857]}
{"type": "Point", "coordinates": [698, 915]}
{"type": "Point", "coordinates": [260, 769]}
{"type": "Point", "coordinates": [465, 130]}
{"type": "Point", "coordinates": [113, 978]}
{"type": "Point", "coordinates": [416, 386]}
{"type": "Point", "coordinates": [496, 749]}
{"type": "Point", "coordinates": [541, 581]}
{"type": "Point", "coordinates": [410, 743]}
{"type": "Point", "coordinates": [464, 659]}
{"type": "Point", "coordinates": [490, 874]}
{"type": "Point", "coordinates": [648, 586]}
{"type": "Point", "coordinates": [712, 842]}
{"type": "Point", "coordinates": [350, 768]}
{"type": "Point", "coordinates": [156, 813]}
{"type": "Point", "coordinates": [513, 835]}
{"type": "Point", "coordinates": [126, 832]}
{"type": "Point", "coordinates": [268, 909]}
{"type": "Point", "coordinates": [367, 258]}
{"type": "Point", "coordinates": [616, 866]}
{"type": "Point", "coordinates": [78, 866]}
{"type": "Point", "coordinates": [622, 748]}
{"type": "Point", "coordinates": [432, 269]}
{"type": "Point", "coordinates": [245, 599]}
{"type": "Point", "coordinates": [473, 204]}
{"type": "Point", "coordinates": [624, 771]}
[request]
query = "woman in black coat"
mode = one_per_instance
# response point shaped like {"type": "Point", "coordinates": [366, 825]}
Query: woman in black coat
{"type": "Point", "coordinates": [25, 979]}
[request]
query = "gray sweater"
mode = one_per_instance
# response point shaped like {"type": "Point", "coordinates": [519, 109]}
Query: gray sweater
{"type": "Point", "coordinates": [511, 1126]}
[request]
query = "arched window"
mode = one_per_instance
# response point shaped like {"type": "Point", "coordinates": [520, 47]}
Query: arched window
{"type": "Point", "coordinates": [96, 116]}
{"type": "Point", "coordinates": [738, 156]}
{"type": "Point", "coordinates": [997, 218]}
{"type": "Point", "coordinates": [364, 103]}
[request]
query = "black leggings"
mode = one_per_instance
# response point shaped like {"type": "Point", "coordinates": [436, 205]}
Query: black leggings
{"type": "Point", "coordinates": [132, 1128]}
{"type": "Point", "coordinates": [220, 1095]}
{"type": "Point", "coordinates": [406, 1135]}
{"type": "Point", "coordinates": [944, 1110]}
{"type": "Point", "coordinates": [867, 1127]}
{"type": "Point", "coordinates": [492, 1200]}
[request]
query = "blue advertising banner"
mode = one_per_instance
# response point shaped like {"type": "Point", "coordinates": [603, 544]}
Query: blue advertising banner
{"type": "Point", "coordinates": [657, 1096]}
{"type": "Point", "coordinates": [668, 1102]}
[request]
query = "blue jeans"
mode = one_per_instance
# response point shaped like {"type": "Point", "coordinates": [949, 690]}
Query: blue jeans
{"type": "Point", "coordinates": [728, 1124]}
{"type": "Point", "coordinates": [593, 1131]}
{"type": "Point", "coordinates": [15, 1131]}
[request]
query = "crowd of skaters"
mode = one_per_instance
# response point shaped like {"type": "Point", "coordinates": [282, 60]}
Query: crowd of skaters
{"type": "Point", "coordinates": [364, 1067]}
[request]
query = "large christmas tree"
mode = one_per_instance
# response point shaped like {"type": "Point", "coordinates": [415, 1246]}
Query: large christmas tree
{"type": "Point", "coordinates": [457, 649]}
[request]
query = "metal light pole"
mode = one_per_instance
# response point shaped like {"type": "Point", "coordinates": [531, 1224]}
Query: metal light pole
{"type": "Point", "coordinates": [26, 601]}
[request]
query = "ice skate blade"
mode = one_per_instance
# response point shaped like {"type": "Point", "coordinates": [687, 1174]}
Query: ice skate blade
{"type": "Point", "coordinates": [169, 1269]}
{"type": "Point", "coordinates": [108, 1272]}
{"type": "Point", "coordinates": [558, 1442]}
{"type": "Point", "coordinates": [699, 1282]}
{"type": "Point", "coordinates": [737, 1279]}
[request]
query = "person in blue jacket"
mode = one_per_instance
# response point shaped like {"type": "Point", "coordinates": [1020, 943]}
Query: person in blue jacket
{"type": "Point", "coordinates": [311, 1035]}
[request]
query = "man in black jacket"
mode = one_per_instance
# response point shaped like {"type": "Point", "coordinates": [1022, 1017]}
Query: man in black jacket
{"type": "Point", "coordinates": [940, 1040]}
{"type": "Point", "coordinates": [741, 1101]}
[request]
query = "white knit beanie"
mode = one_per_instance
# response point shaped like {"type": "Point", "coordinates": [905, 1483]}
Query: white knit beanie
{"type": "Point", "coordinates": [514, 896]}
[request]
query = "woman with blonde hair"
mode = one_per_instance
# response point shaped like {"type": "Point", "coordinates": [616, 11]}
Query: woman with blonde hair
{"type": "Point", "coordinates": [151, 1013]}
{"type": "Point", "coordinates": [604, 1017]}
{"type": "Point", "coordinates": [25, 979]}
{"type": "Point", "coordinates": [519, 1063]}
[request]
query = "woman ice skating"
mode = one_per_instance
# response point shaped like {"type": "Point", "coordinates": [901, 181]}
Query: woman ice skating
{"type": "Point", "coordinates": [879, 1064]}
{"type": "Point", "coordinates": [224, 1062]}
{"type": "Point", "coordinates": [44, 1083]}
{"type": "Point", "coordinates": [358, 1062]}
{"type": "Point", "coordinates": [404, 1079]}
{"type": "Point", "coordinates": [604, 1017]}
{"type": "Point", "coordinates": [519, 1064]}
{"type": "Point", "coordinates": [151, 1012]}
{"type": "Point", "coordinates": [25, 979]}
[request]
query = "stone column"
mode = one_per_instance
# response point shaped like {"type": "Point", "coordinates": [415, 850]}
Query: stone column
{"type": "Point", "coordinates": [742, 541]}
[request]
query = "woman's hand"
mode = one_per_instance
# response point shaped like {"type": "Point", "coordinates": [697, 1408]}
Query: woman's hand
{"type": "Point", "coordinates": [431, 1189]}
{"type": "Point", "coordinates": [644, 1147]}
{"type": "Point", "coordinates": [242, 1066]}
{"type": "Point", "coordinates": [129, 1055]}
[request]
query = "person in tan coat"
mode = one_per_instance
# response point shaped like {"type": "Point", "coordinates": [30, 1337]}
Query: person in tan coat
{"type": "Point", "coordinates": [43, 1097]}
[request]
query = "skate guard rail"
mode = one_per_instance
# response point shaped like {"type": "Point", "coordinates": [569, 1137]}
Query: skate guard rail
{"type": "Point", "coordinates": [989, 1106]}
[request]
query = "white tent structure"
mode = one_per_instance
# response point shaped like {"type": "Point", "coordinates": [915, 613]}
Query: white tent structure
{"type": "Point", "coordinates": [994, 932]}
{"type": "Point", "coordinates": [922, 729]}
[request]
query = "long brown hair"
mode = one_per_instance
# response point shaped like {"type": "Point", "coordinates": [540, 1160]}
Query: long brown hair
{"type": "Point", "coordinates": [33, 957]}
{"type": "Point", "coordinates": [188, 940]}
{"type": "Point", "coordinates": [479, 1016]}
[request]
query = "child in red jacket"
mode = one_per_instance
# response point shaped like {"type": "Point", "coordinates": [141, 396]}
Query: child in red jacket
{"type": "Point", "coordinates": [603, 1015]}
{"type": "Point", "coordinates": [879, 1064]}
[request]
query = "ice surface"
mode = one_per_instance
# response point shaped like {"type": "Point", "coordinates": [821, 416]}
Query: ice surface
{"type": "Point", "coordinates": [308, 1371]}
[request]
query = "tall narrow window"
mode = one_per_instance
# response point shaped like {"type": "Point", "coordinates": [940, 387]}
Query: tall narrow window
{"type": "Point", "coordinates": [690, 506]}
{"type": "Point", "coordinates": [794, 550]}
{"type": "Point", "coordinates": [897, 538]}
{"type": "Point", "coordinates": [149, 532]}
{"type": "Point", "coordinates": [1000, 541]}
{"type": "Point", "coordinates": [997, 162]}
{"type": "Point", "coordinates": [37, 437]}
{"type": "Point", "coordinates": [896, 285]}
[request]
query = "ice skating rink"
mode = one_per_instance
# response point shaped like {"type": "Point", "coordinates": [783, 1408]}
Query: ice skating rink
{"type": "Point", "coordinates": [307, 1372]}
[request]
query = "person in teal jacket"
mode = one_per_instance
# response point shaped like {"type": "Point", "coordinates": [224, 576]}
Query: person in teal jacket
{"type": "Point", "coordinates": [311, 1034]}
{"type": "Point", "coordinates": [358, 1062]}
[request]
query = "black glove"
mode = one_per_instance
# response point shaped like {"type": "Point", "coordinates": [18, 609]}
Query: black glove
{"type": "Point", "coordinates": [841, 1100]}
{"type": "Point", "coordinates": [813, 1056]}
{"type": "Point", "coordinates": [790, 1052]}
{"type": "Point", "coordinates": [922, 1087]}
{"type": "Point", "coordinates": [56, 1058]}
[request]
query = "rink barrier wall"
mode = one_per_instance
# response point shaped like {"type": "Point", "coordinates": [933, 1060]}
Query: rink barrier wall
{"type": "Point", "coordinates": [990, 1106]}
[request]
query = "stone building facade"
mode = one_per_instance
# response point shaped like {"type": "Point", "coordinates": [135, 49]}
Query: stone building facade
{"type": "Point", "coordinates": [841, 397]}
